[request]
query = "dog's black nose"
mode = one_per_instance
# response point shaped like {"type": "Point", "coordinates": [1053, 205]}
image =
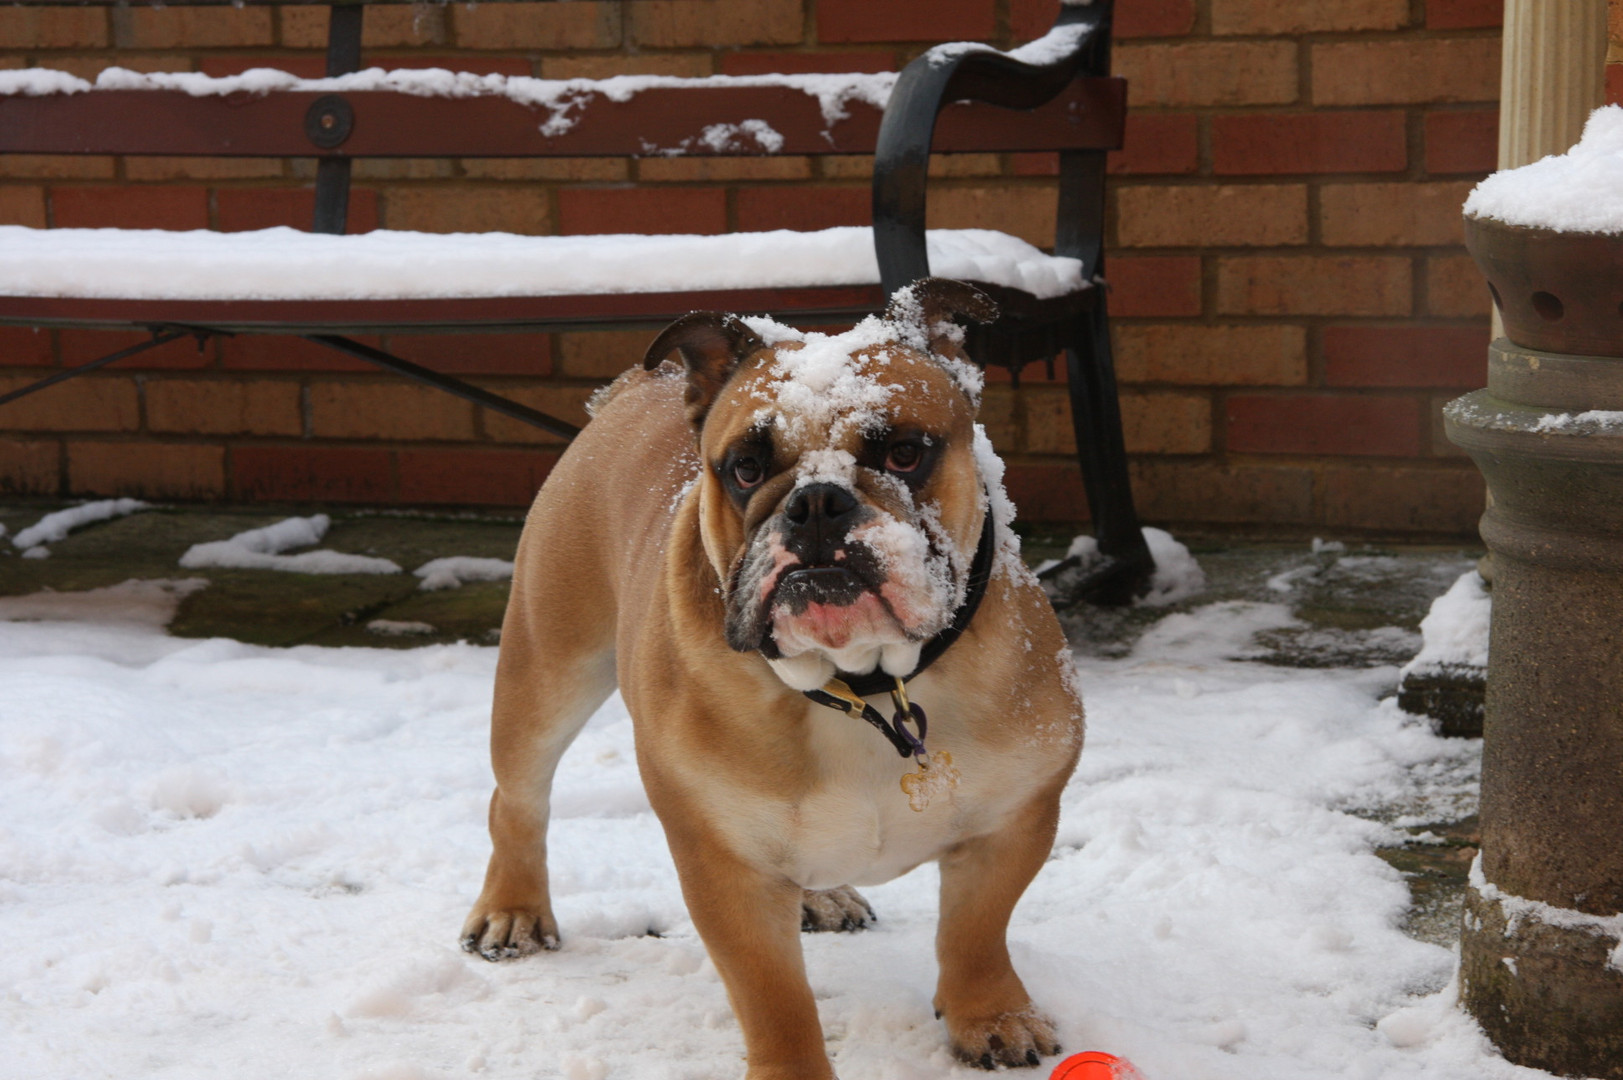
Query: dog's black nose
{"type": "Point", "coordinates": [819, 503]}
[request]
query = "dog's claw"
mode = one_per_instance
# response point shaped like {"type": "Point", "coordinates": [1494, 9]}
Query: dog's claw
{"type": "Point", "coordinates": [842, 908]}
{"type": "Point", "coordinates": [1013, 1040]}
{"type": "Point", "coordinates": [1032, 1058]}
{"type": "Point", "coordinates": [506, 936]}
{"type": "Point", "coordinates": [985, 1061]}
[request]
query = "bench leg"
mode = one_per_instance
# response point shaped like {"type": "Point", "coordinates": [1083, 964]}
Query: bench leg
{"type": "Point", "coordinates": [1124, 569]}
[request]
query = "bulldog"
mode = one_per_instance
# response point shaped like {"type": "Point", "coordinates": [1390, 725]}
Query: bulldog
{"type": "Point", "coordinates": [769, 548]}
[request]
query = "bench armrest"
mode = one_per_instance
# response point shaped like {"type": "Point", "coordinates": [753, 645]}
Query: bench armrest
{"type": "Point", "coordinates": [1023, 78]}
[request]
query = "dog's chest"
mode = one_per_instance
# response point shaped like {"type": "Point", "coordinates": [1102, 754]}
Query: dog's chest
{"type": "Point", "coordinates": [854, 825]}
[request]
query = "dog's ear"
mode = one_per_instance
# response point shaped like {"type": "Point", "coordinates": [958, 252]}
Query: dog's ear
{"type": "Point", "coordinates": [712, 344]}
{"type": "Point", "coordinates": [927, 308]}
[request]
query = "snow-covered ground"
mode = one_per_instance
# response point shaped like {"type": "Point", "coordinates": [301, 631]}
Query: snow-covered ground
{"type": "Point", "coordinates": [220, 860]}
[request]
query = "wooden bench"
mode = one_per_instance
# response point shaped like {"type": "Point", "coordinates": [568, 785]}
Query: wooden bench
{"type": "Point", "coordinates": [1054, 94]}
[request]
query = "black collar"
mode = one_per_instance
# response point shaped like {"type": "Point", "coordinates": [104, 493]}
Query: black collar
{"type": "Point", "coordinates": [877, 682]}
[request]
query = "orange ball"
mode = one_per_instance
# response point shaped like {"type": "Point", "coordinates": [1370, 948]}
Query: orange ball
{"type": "Point", "coordinates": [1095, 1065]}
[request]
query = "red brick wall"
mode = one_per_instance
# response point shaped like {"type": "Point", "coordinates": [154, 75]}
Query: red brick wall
{"type": "Point", "coordinates": [1293, 304]}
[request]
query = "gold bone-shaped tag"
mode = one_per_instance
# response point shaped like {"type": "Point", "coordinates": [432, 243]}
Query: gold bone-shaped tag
{"type": "Point", "coordinates": [935, 775]}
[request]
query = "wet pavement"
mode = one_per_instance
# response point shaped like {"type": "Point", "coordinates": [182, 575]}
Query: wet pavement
{"type": "Point", "coordinates": [1354, 606]}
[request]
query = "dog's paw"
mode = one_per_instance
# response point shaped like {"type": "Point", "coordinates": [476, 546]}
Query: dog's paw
{"type": "Point", "coordinates": [508, 935]}
{"type": "Point", "coordinates": [1013, 1040]}
{"type": "Point", "coordinates": [834, 909]}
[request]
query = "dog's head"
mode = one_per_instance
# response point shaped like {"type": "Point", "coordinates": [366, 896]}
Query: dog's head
{"type": "Point", "coordinates": [839, 501]}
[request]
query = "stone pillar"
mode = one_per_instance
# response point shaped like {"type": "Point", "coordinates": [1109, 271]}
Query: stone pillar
{"type": "Point", "coordinates": [1552, 75]}
{"type": "Point", "coordinates": [1541, 952]}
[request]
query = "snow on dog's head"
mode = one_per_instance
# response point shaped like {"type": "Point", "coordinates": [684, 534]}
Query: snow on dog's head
{"type": "Point", "coordinates": [841, 500]}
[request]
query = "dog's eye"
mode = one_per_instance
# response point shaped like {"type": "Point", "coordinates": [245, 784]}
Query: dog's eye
{"type": "Point", "coordinates": [747, 472]}
{"type": "Point", "coordinates": [904, 457]}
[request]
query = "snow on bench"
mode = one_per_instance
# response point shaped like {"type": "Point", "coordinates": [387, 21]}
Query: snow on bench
{"type": "Point", "coordinates": [286, 264]}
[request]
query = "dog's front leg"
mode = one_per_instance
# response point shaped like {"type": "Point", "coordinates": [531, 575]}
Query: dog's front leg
{"type": "Point", "coordinates": [750, 922]}
{"type": "Point", "coordinates": [990, 1018]}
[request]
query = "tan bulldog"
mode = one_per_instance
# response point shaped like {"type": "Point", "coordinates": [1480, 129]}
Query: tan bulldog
{"type": "Point", "coordinates": [737, 543]}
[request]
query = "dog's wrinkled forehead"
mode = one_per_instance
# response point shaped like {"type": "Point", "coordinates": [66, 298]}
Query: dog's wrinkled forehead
{"type": "Point", "coordinates": [827, 389]}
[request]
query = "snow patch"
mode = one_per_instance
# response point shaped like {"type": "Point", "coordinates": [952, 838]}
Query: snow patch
{"type": "Point", "coordinates": [1516, 909]}
{"type": "Point", "coordinates": [56, 526]}
{"type": "Point", "coordinates": [287, 264]}
{"type": "Point", "coordinates": [1603, 419]}
{"type": "Point", "coordinates": [261, 549]}
{"type": "Point", "coordinates": [132, 603]}
{"type": "Point", "coordinates": [458, 570]}
{"type": "Point", "coordinates": [1177, 575]}
{"type": "Point", "coordinates": [1455, 630]}
{"type": "Point", "coordinates": [1572, 192]}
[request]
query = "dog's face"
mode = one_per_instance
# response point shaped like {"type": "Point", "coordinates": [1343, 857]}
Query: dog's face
{"type": "Point", "coordinates": [840, 503]}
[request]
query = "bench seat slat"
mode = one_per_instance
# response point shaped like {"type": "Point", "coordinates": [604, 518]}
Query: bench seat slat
{"type": "Point", "coordinates": [1088, 115]}
{"type": "Point", "coordinates": [450, 314]}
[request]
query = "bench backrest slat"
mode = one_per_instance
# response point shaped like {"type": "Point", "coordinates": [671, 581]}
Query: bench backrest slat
{"type": "Point", "coordinates": [1087, 116]}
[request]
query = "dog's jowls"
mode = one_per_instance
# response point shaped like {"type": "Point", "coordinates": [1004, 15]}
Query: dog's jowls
{"type": "Point", "coordinates": [778, 509]}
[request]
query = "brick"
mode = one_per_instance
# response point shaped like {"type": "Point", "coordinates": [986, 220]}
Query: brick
{"type": "Point", "coordinates": [1131, 18]}
{"type": "Point", "coordinates": [191, 27]}
{"type": "Point", "coordinates": [473, 477]}
{"type": "Point", "coordinates": [244, 209]}
{"type": "Point", "coordinates": [1153, 144]}
{"type": "Point", "coordinates": [1440, 501]}
{"type": "Point", "coordinates": [56, 166]}
{"type": "Point", "coordinates": [691, 169]}
{"type": "Point", "coordinates": [1614, 83]}
{"type": "Point", "coordinates": [1153, 285]}
{"type": "Point", "coordinates": [375, 410]}
{"type": "Point", "coordinates": [1037, 420]}
{"type": "Point", "coordinates": [1392, 215]}
{"type": "Point", "coordinates": [477, 354]}
{"type": "Point", "coordinates": [805, 63]}
{"type": "Point", "coordinates": [1211, 215]}
{"type": "Point", "coordinates": [683, 65]}
{"type": "Point", "coordinates": [1295, 17]}
{"type": "Point", "coordinates": [1462, 141]}
{"type": "Point", "coordinates": [1046, 492]}
{"type": "Point", "coordinates": [1333, 424]}
{"type": "Point", "coordinates": [1270, 354]}
{"type": "Point", "coordinates": [467, 209]}
{"type": "Point", "coordinates": [803, 208]}
{"type": "Point", "coordinates": [1406, 356]}
{"type": "Point", "coordinates": [965, 165]}
{"type": "Point", "coordinates": [146, 207]}
{"type": "Point", "coordinates": [1197, 73]}
{"type": "Point", "coordinates": [278, 352]}
{"type": "Point", "coordinates": [22, 205]}
{"type": "Point", "coordinates": [54, 28]}
{"type": "Point", "coordinates": [387, 25]}
{"type": "Point", "coordinates": [305, 67]}
{"type": "Point", "coordinates": [88, 403]}
{"type": "Point", "coordinates": [400, 169]}
{"type": "Point", "coordinates": [1166, 423]}
{"type": "Point", "coordinates": [160, 167]}
{"type": "Point", "coordinates": [999, 417]}
{"type": "Point", "coordinates": [537, 26]}
{"type": "Point", "coordinates": [311, 474]}
{"type": "Point", "coordinates": [1024, 211]}
{"type": "Point", "coordinates": [602, 354]}
{"type": "Point", "coordinates": [1396, 72]}
{"type": "Point", "coordinates": [1322, 142]}
{"type": "Point", "coordinates": [930, 21]}
{"type": "Point", "coordinates": [642, 210]}
{"type": "Point", "coordinates": [26, 346]}
{"type": "Point", "coordinates": [29, 467]}
{"type": "Point", "coordinates": [82, 346]}
{"type": "Point", "coordinates": [1455, 287]}
{"type": "Point", "coordinates": [567, 403]}
{"type": "Point", "coordinates": [677, 23]}
{"type": "Point", "coordinates": [1464, 14]}
{"type": "Point", "coordinates": [1199, 492]}
{"type": "Point", "coordinates": [216, 407]}
{"type": "Point", "coordinates": [1314, 285]}
{"type": "Point", "coordinates": [575, 169]}
{"type": "Point", "coordinates": [148, 469]}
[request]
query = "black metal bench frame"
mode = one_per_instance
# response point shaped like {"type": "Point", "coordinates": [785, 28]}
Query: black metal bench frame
{"type": "Point", "coordinates": [975, 101]}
